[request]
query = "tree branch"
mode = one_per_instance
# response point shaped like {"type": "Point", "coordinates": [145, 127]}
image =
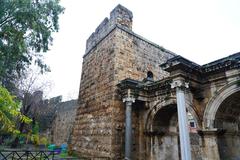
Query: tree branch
{"type": "Point", "coordinates": [6, 20]}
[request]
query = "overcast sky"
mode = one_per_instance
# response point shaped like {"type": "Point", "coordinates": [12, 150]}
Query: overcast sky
{"type": "Point", "coordinates": [201, 31]}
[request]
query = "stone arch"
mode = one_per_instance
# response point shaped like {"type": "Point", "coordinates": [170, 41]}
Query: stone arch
{"type": "Point", "coordinates": [161, 128]}
{"type": "Point", "coordinates": [159, 105]}
{"type": "Point", "coordinates": [151, 114]}
{"type": "Point", "coordinates": [215, 102]}
{"type": "Point", "coordinates": [162, 131]}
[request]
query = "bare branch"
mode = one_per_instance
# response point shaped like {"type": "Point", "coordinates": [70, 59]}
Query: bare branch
{"type": "Point", "coordinates": [6, 20]}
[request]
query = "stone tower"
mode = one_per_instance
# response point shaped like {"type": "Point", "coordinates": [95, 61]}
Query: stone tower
{"type": "Point", "coordinates": [113, 53]}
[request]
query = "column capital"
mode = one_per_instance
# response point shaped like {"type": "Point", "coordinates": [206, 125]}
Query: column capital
{"type": "Point", "coordinates": [129, 99]}
{"type": "Point", "coordinates": [179, 83]}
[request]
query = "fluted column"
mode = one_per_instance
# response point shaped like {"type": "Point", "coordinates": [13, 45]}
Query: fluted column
{"type": "Point", "coordinates": [180, 86]}
{"type": "Point", "coordinates": [128, 125]}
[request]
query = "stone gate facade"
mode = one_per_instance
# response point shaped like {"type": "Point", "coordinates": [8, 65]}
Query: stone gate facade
{"type": "Point", "coordinates": [126, 76]}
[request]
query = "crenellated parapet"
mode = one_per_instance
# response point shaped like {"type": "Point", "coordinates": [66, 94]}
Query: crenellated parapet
{"type": "Point", "coordinates": [119, 16]}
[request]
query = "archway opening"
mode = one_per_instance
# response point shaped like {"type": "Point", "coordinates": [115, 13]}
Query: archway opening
{"type": "Point", "coordinates": [165, 139]}
{"type": "Point", "coordinates": [165, 120]}
{"type": "Point", "coordinates": [227, 119]}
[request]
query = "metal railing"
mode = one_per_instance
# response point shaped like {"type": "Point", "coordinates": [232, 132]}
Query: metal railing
{"type": "Point", "coordinates": [14, 154]}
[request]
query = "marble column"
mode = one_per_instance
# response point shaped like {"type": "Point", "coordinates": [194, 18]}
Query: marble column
{"type": "Point", "coordinates": [181, 86]}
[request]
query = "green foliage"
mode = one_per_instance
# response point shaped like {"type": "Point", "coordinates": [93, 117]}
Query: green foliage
{"type": "Point", "coordinates": [43, 140]}
{"type": "Point", "coordinates": [7, 142]}
{"type": "Point", "coordinates": [35, 129]}
{"type": "Point", "coordinates": [26, 27]}
{"type": "Point", "coordinates": [35, 134]}
{"type": "Point", "coordinates": [63, 155]}
{"type": "Point", "coordinates": [35, 139]}
{"type": "Point", "coordinates": [10, 112]}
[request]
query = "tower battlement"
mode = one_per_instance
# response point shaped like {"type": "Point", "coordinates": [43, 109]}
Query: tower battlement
{"type": "Point", "coordinates": [118, 16]}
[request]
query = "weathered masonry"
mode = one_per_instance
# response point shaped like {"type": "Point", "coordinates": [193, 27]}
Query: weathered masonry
{"type": "Point", "coordinates": [55, 118]}
{"type": "Point", "coordinates": [133, 90]}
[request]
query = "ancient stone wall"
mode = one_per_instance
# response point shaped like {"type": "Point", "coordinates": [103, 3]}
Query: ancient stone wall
{"type": "Point", "coordinates": [113, 53]}
{"type": "Point", "coordinates": [63, 122]}
{"type": "Point", "coordinates": [55, 118]}
{"type": "Point", "coordinates": [93, 125]}
{"type": "Point", "coordinates": [135, 56]}
{"type": "Point", "coordinates": [43, 111]}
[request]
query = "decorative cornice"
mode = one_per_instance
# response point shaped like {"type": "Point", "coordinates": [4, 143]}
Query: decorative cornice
{"type": "Point", "coordinates": [179, 62]}
{"type": "Point", "coordinates": [227, 63]}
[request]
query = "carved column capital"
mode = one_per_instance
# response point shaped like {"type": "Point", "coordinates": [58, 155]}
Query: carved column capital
{"type": "Point", "coordinates": [179, 84]}
{"type": "Point", "coordinates": [129, 99]}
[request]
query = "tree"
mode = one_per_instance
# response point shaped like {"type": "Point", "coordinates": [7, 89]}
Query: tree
{"type": "Point", "coordinates": [10, 112]}
{"type": "Point", "coordinates": [26, 28]}
{"type": "Point", "coordinates": [31, 81]}
{"type": "Point", "coordinates": [29, 89]}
